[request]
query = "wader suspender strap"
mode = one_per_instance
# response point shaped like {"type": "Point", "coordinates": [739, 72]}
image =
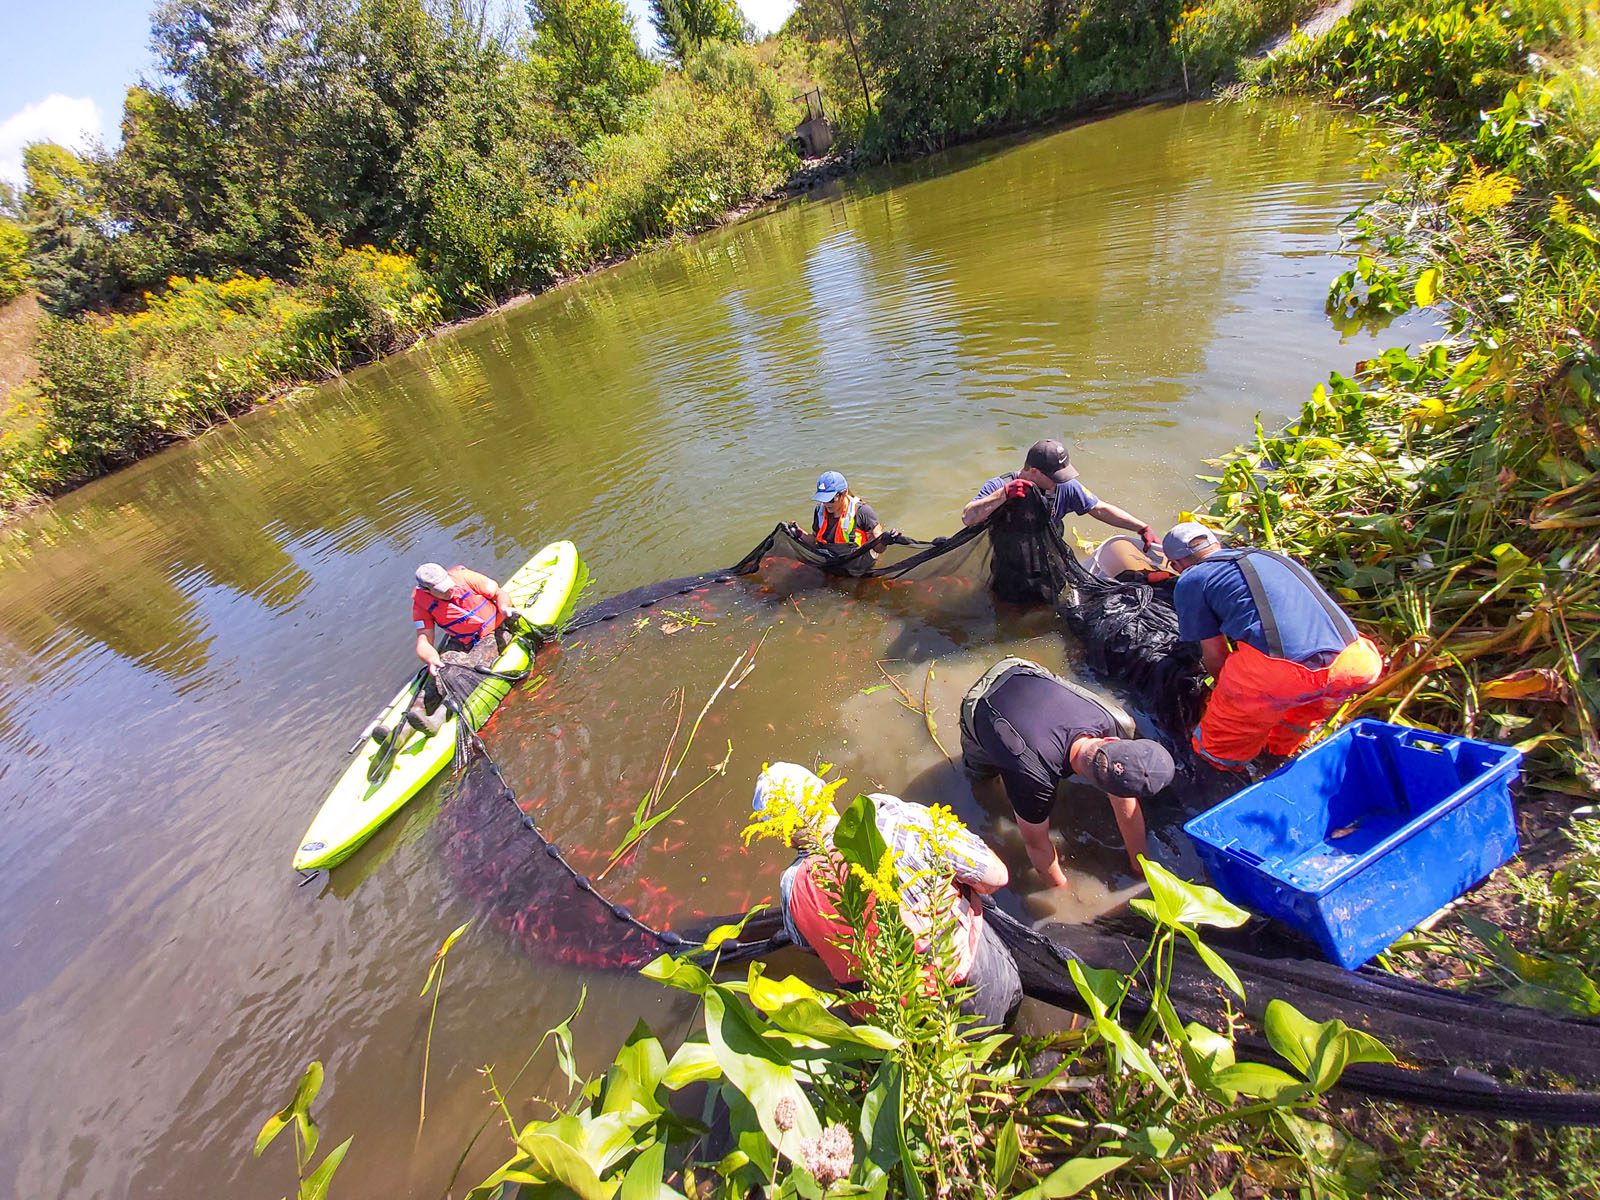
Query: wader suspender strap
{"type": "Point", "coordinates": [1269, 621]}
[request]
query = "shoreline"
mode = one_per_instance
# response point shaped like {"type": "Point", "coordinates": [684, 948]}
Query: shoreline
{"type": "Point", "coordinates": [813, 175]}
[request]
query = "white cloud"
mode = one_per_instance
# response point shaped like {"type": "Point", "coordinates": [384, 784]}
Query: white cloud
{"type": "Point", "coordinates": [73, 121]}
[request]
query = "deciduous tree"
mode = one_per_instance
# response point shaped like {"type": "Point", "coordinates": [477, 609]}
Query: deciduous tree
{"type": "Point", "coordinates": [683, 26]}
{"type": "Point", "coordinates": [597, 69]}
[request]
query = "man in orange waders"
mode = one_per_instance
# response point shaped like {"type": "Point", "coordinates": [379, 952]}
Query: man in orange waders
{"type": "Point", "coordinates": [1295, 655]}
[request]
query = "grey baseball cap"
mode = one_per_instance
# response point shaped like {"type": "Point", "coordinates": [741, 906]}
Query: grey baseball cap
{"type": "Point", "coordinates": [432, 577]}
{"type": "Point", "coordinates": [1137, 767]}
{"type": "Point", "coordinates": [1180, 541]}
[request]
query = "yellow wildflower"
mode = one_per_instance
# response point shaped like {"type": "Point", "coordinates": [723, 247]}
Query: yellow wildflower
{"type": "Point", "coordinates": [885, 883]}
{"type": "Point", "coordinates": [1481, 191]}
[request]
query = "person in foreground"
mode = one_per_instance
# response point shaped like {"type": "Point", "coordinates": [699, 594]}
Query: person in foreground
{"type": "Point", "coordinates": [841, 518]}
{"type": "Point", "coordinates": [1047, 470]}
{"type": "Point", "coordinates": [1034, 729]}
{"type": "Point", "coordinates": [1295, 655]}
{"type": "Point", "coordinates": [931, 883]}
{"type": "Point", "coordinates": [477, 620]}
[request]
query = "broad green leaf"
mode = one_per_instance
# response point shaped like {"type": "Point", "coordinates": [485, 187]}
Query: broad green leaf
{"type": "Point", "coordinates": [1215, 963]}
{"type": "Point", "coordinates": [730, 932]}
{"type": "Point", "coordinates": [757, 1070]}
{"type": "Point", "coordinates": [1104, 986]}
{"type": "Point", "coordinates": [561, 1163]}
{"type": "Point", "coordinates": [1007, 1149]}
{"type": "Point", "coordinates": [1509, 562]}
{"type": "Point", "coordinates": [800, 1184]}
{"type": "Point", "coordinates": [1364, 1048]}
{"type": "Point", "coordinates": [1320, 1052]}
{"type": "Point", "coordinates": [634, 1073]}
{"type": "Point", "coordinates": [1207, 1050]}
{"type": "Point", "coordinates": [693, 1063]}
{"type": "Point", "coordinates": [645, 1179]}
{"type": "Point", "coordinates": [310, 1136]}
{"type": "Point", "coordinates": [1073, 1176]}
{"type": "Point", "coordinates": [1179, 902]}
{"type": "Point", "coordinates": [879, 1125]}
{"type": "Point", "coordinates": [1257, 1079]}
{"type": "Point", "coordinates": [315, 1185]}
{"type": "Point", "coordinates": [1114, 1035]}
{"type": "Point", "coordinates": [856, 837]}
{"type": "Point", "coordinates": [275, 1125]}
{"type": "Point", "coordinates": [1427, 289]}
{"type": "Point", "coordinates": [677, 973]}
{"type": "Point", "coordinates": [795, 1006]}
{"type": "Point", "coordinates": [748, 1135]}
{"type": "Point", "coordinates": [1292, 1034]}
{"type": "Point", "coordinates": [606, 1138]}
{"type": "Point", "coordinates": [1343, 1165]}
{"type": "Point", "coordinates": [306, 1091]}
{"type": "Point", "coordinates": [1154, 1141]}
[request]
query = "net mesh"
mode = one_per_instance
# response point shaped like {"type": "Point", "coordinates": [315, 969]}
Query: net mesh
{"type": "Point", "coordinates": [541, 895]}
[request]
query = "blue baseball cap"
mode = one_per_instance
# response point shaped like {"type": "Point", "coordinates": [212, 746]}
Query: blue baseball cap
{"type": "Point", "coordinates": [829, 485]}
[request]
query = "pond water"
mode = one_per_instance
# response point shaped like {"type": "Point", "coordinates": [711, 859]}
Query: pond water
{"type": "Point", "coordinates": [189, 646]}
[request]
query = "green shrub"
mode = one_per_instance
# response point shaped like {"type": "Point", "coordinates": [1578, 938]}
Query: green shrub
{"type": "Point", "coordinates": [14, 273]}
{"type": "Point", "coordinates": [1210, 39]}
{"type": "Point", "coordinates": [116, 387]}
{"type": "Point", "coordinates": [711, 141]}
{"type": "Point", "coordinates": [360, 304]}
{"type": "Point", "coordinates": [1445, 59]}
{"type": "Point", "coordinates": [99, 410]}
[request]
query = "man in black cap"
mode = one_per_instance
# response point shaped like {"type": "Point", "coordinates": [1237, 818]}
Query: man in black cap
{"type": "Point", "coordinates": [1034, 729]}
{"type": "Point", "coordinates": [1047, 469]}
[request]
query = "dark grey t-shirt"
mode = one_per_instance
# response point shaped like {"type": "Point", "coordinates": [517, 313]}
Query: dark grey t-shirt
{"type": "Point", "coordinates": [1027, 726]}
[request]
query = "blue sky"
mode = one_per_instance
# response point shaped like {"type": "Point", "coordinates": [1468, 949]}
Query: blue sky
{"type": "Point", "coordinates": [68, 63]}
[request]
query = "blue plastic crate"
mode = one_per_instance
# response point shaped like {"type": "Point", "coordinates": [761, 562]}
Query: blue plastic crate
{"type": "Point", "coordinates": [1363, 836]}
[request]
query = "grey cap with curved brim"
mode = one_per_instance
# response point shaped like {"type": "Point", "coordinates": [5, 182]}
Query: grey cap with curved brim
{"type": "Point", "coordinates": [1179, 541]}
{"type": "Point", "coordinates": [432, 577]}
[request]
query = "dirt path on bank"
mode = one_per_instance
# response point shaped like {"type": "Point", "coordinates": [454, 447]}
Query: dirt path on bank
{"type": "Point", "coordinates": [1316, 25]}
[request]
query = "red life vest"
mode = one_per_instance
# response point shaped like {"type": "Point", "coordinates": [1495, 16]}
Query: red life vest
{"type": "Point", "coordinates": [464, 614]}
{"type": "Point", "coordinates": [840, 530]}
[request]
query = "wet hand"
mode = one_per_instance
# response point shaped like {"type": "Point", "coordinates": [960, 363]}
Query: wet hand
{"type": "Point", "coordinates": [1017, 489]}
{"type": "Point", "coordinates": [1148, 536]}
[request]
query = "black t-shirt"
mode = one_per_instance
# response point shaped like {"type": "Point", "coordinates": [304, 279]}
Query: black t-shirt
{"type": "Point", "coordinates": [1027, 726]}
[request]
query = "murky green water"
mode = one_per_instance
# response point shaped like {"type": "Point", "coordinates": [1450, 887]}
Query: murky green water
{"type": "Point", "coordinates": [189, 645]}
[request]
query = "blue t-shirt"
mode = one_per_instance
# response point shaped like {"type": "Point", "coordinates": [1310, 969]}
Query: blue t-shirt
{"type": "Point", "coordinates": [1212, 598]}
{"type": "Point", "coordinates": [1069, 497]}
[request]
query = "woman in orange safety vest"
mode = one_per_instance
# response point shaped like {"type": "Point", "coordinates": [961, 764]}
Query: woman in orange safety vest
{"type": "Point", "coordinates": [841, 518]}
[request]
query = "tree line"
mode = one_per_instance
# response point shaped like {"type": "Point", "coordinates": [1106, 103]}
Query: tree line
{"type": "Point", "coordinates": [302, 184]}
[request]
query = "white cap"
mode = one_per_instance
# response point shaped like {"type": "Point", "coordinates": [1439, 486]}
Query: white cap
{"type": "Point", "coordinates": [784, 777]}
{"type": "Point", "coordinates": [432, 577]}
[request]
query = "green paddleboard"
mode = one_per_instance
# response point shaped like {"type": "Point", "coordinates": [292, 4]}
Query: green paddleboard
{"type": "Point", "coordinates": [544, 589]}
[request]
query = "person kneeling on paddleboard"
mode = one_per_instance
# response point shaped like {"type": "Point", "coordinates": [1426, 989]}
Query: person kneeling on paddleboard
{"type": "Point", "coordinates": [477, 620]}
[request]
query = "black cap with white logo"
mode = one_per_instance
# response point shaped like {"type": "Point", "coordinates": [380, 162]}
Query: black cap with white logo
{"type": "Point", "coordinates": [1050, 456]}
